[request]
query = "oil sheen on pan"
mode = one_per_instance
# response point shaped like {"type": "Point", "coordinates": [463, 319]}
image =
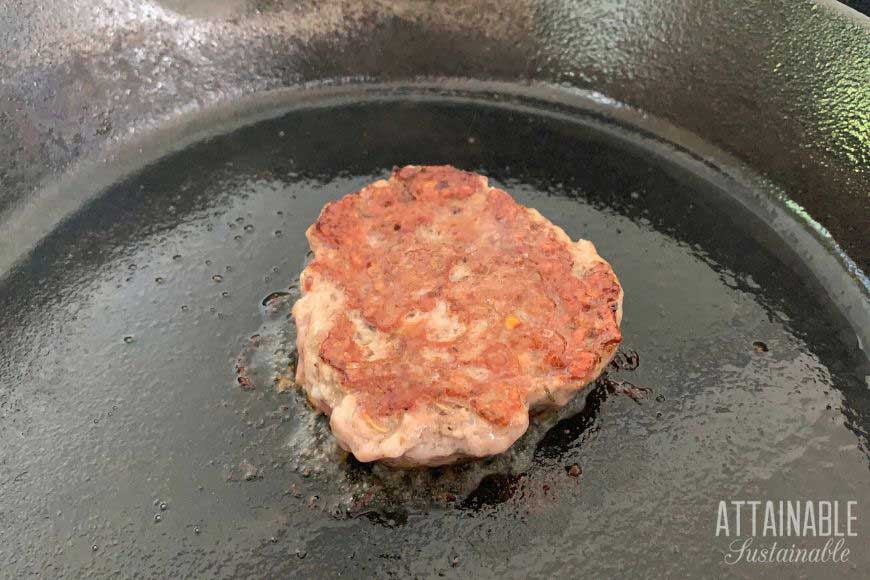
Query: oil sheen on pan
{"type": "Point", "coordinates": [438, 312]}
{"type": "Point", "coordinates": [120, 335]}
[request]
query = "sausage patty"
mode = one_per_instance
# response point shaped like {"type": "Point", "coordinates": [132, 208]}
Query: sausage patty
{"type": "Point", "coordinates": [437, 312]}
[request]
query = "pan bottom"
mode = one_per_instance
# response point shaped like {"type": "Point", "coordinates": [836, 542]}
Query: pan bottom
{"type": "Point", "coordinates": [129, 445]}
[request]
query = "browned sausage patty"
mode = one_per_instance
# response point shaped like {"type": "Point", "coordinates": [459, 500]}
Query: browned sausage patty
{"type": "Point", "coordinates": [437, 311]}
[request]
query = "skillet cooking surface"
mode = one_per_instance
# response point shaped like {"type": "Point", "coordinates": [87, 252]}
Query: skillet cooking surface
{"type": "Point", "coordinates": [119, 333]}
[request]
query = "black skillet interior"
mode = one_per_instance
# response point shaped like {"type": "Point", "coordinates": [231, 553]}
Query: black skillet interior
{"type": "Point", "coordinates": [130, 447]}
{"type": "Point", "coordinates": [125, 440]}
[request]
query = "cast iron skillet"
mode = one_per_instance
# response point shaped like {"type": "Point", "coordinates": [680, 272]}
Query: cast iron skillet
{"type": "Point", "coordinates": [159, 168]}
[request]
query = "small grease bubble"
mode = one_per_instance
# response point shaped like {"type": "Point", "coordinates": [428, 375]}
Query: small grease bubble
{"type": "Point", "coordinates": [274, 297]}
{"type": "Point", "coordinates": [760, 346]}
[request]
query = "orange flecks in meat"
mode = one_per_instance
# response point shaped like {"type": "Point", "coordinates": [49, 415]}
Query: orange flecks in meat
{"type": "Point", "coordinates": [372, 423]}
{"type": "Point", "coordinates": [392, 247]}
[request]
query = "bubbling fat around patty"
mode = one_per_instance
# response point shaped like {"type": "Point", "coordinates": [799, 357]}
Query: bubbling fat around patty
{"type": "Point", "coordinates": [437, 312]}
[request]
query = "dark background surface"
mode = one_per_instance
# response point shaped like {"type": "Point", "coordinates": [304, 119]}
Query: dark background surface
{"type": "Point", "coordinates": [862, 6]}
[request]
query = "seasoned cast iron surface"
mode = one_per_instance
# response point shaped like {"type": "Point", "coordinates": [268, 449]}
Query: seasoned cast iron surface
{"type": "Point", "coordinates": [129, 445]}
{"type": "Point", "coordinates": [780, 84]}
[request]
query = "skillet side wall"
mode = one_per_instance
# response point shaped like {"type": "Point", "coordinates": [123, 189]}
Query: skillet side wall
{"type": "Point", "coordinates": [783, 86]}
